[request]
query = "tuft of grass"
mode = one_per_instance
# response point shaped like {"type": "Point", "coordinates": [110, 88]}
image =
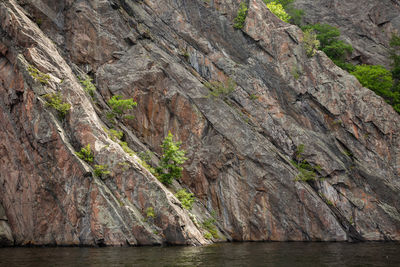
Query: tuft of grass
{"type": "Point", "coordinates": [86, 154]}
{"type": "Point", "coordinates": [209, 225]}
{"type": "Point", "coordinates": [219, 89]}
{"type": "Point", "coordinates": [101, 171]}
{"type": "Point", "coordinates": [39, 76]}
{"type": "Point", "coordinates": [307, 172]}
{"type": "Point", "coordinates": [55, 101]}
{"type": "Point", "coordinates": [150, 212]}
{"type": "Point", "coordinates": [185, 198]}
{"type": "Point", "coordinates": [88, 86]}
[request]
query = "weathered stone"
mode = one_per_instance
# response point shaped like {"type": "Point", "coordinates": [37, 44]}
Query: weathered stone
{"type": "Point", "coordinates": [368, 27]}
{"type": "Point", "coordinates": [240, 146]}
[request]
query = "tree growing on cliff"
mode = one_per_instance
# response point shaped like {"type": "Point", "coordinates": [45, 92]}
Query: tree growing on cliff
{"type": "Point", "coordinates": [172, 159]}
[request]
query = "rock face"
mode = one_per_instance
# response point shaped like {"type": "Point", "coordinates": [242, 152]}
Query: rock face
{"type": "Point", "coordinates": [6, 238]}
{"type": "Point", "coordinates": [367, 26]}
{"type": "Point", "coordinates": [242, 146]}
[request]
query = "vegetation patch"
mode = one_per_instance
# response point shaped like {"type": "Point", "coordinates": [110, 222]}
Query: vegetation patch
{"type": "Point", "coordinates": [328, 37]}
{"type": "Point", "coordinates": [172, 159]}
{"type": "Point", "coordinates": [88, 86]}
{"type": "Point", "coordinates": [185, 198]}
{"type": "Point", "coordinates": [209, 226]}
{"type": "Point", "coordinates": [278, 11]}
{"type": "Point", "coordinates": [150, 212]}
{"type": "Point", "coordinates": [241, 16]}
{"type": "Point", "coordinates": [310, 42]}
{"type": "Point", "coordinates": [120, 107]}
{"type": "Point", "coordinates": [307, 172]}
{"type": "Point", "coordinates": [101, 171]}
{"type": "Point", "coordinates": [219, 89]}
{"type": "Point", "coordinates": [38, 75]}
{"type": "Point", "coordinates": [293, 15]}
{"type": "Point", "coordinates": [55, 101]}
{"type": "Point", "coordinates": [86, 154]}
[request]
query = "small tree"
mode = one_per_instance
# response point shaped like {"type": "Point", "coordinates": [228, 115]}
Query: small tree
{"type": "Point", "coordinates": [310, 43]}
{"type": "Point", "coordinates": [171, 160]}
{"type": "Point", "coordinates": [120, 106]}
{"type": "Point", "coordinates": [241, 16]}
{"type": "Point", "coordinates": [278, 11]}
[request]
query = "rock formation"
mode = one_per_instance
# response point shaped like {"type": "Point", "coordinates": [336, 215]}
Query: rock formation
{"type": "Point", "coordinates": [367, 25]}
{"type": "Point", "coordinates": [242, 147]}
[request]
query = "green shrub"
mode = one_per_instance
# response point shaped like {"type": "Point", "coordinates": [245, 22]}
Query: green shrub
{"type": "Point", "coordinates": [185, 198]}
{"type": "Point", "coordinates": [395, 56]}
{"type": "Point", "coordinates": [38, 75]}
{"type": "Point", "coordinates": [310, 42]}
{"type": "Point", "coordinates": [120, 106]}
{"type": "Point", "coordinates": [219, 89]}
{"type": "Point", "coordinates": [279, 11]}
{"type": "Point", "coordinates": [379, 80]}
{"type": "Point", "coordinates": [150, 212]}
{"type": "Point", "coordinates": [208, 235]}
{"type": "Point", "coordinates": [375, 77]}
{"type": "Point", "coordinates": [172, 159]}
{"type": "Point", "coordinates": [88, 86]}
{"type": "Point", "coordinates": [101, 170]}
{"type": "Point", "coordinates": [284, 3]}
{"type": "Point", "coordinates": [241, 16]}
{"type": "Point", "coordinates": [335, 49]}
{"type": "Point", "coordinates": [307, 172]}
{"type": "Point", "coordinates": [209, 225]}
{"type": "Point", "coordinates": [54, 101]}
{"type": "Point", "coordinates": [296, 15]}
{"type": "Point", "coordinates": [114, 135]}
{"type": "Point", "coordinates": [86, 154]}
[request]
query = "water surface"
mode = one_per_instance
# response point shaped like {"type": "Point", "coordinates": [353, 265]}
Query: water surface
{"type": "Point", "coordinates": [227, 254]}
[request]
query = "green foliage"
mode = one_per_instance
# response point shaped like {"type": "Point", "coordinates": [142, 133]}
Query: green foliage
{"type": "Point", "coordinates": [145, 156]}
{"type": "Point", "coordinates": [185, 198]}
{"type": "Point", "coordinates": [379, 80]}
{"type": "Point", "coordinates": [283, 3]}
{"type": "Point", "coordinates": [208, 235]}
{"type": "Point", "coordinates": [296, 15]}
{"type": "Point", "coordinates": [54, 101]}
{"type": "Point", "coordinates": [88, 86]}
{"type": "Point", "coordinates": [150, 212]}
{"type": "Point", "coordinates": [310, 42]}
{"type": "Point", "coordinates": [296, 72]}
{"type": "Point", "coordinates": [395, 56]}
{"type": "Point", "coordinates": [219, 89]}
{"type": "Point", "coordinates": [114, 135]}
{"type": "Point", "coordinates": [253, 97]}
{"type": "Point", "coordinates": [101, 170]}
{"type": "Point", "coordinates": [86, 154]}
{"type": "Point", "coordinates": [38, 75]}
{"type": "Point", "coordinates": [209, 225]}
{"type": "Point", "coordinates": [376, 78]}
{"type": "Point", "coordinates": [335, 49]}
{"type": "Point", "coordinates": [126, 148]}
{"type": "Point", "coordinates": [120, 106]}
{"type": "Point", "coordinates": [241, 16]}
{"type": "Point", "coordinates": [307, 172]}
{"type": "Point", "coordinates": [172, 159]}
{"type": "Point", "coordinates": [279, 11]}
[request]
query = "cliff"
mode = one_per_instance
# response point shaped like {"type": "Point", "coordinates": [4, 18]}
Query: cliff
{"type": "Point", "coordinates": [244, 148]}
{"type": "Point", "coordinates": [367, 25]}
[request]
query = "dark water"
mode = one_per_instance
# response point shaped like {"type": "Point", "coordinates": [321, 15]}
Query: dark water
{"type": "Point", "coordinates": [231, 254]}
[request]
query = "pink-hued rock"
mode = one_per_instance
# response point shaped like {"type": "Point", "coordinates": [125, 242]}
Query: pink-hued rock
{"type": "Point", "coordinates": [368, 25]}
{"type": "Point", "coordinates": [239, 146]}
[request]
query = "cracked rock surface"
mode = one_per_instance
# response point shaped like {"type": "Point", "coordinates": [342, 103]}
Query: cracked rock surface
{"type": "Point", "coordinates": [242, 148]}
